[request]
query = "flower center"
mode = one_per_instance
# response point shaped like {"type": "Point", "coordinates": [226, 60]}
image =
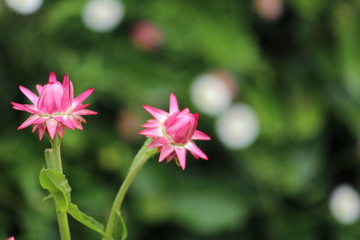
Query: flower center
{"type": "Point", "coordinates": [55, 114]}
{"type": "Point", "coordinates": [172, 142]}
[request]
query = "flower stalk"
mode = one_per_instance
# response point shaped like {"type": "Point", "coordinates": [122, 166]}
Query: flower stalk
{"type": "Point", "coordinates": [53, 161]}
{"type": "Point", "coordinates": [140, 159]}
{"type": "Point", "coordinates": [56, 154]}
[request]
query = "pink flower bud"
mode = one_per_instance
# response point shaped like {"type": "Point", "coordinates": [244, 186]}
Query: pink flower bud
{"type": "Point", "coordinates": [55, 108]}
{"type": "Point", "coordinates": [173, 132]}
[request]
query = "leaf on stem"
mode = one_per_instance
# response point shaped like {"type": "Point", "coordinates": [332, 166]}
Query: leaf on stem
{"type": "Point", "coordinates": [56, 183]}
{"type": "Point", "coordinates": [88, 221]}
{"type": "Point", "coordinates": [120, 231]}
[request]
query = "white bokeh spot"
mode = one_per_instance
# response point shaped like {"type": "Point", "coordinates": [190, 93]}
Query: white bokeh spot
{"type": "Point", "coordinates": [210, 94]}
{"type": "Point", "coordinates": [345, 204]}
{"type": "Point", "coordinates": [24, 7]}
{"type": "Point", "coordinates": [238, 127]}
{"type": "Point", "coordinates": [103, 15]}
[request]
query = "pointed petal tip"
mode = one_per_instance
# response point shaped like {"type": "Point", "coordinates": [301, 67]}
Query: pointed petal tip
{"type": "Point", "coordinates": [174, 106]}
{"type": "Point", "coordinates": [79, 99]}
{"type": "Point", "coordinates": [66, 80]}
{"type": "Point", "coordinates": [156, 112]}
{"type": "Point", "coordinates": [142, 132]}
{"type": "Point", "coordinates": [198, 135]}
{"type": "Point", "coordinates": [52, 77]}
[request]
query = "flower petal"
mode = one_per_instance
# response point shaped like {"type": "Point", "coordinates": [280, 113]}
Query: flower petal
{"type": "Point", "coordinates": [51, 125]}
{"type": "Point", "coordinates": [52, 78]}
{"type": "Point", "coordinates": [60, 130]}
{"type": "Point", "coordinates": [181, 155]}
{"type": "Point", "coordinates": [155, 143]}
{"type": "Point", "coordinates": [29, 94]}
{"type": "Point", "coordinates": [165, 151]}
{"type": "Point", "coordinates": [51, 97]}
{"type": "Point", "coordinates": [151, 132]}
{"type": "Point", "coordinates": [66, 100]}
{"type": "Point", "coordinates": [30, 120]}
{"type": "Point", "coordinates": [41, 130]}
{"type": "Point", "coordinates": [198, 135]}
{"type": "Point", "coordinates": [80, 107]}
{"type": "Point", "coordinates": [174, 106]}
{"type": "Point", "coordinates": [156, 113]}
{"type": "Point", "coordinates": [65, 120]}
{"type": "Point", "coordinates": [79, 99]}
{"type": "Point", "coordinates": [171, 156]}
{"type": "Point", "coordinates": [23, 107]}
{"type": "Point", "coordinates": [40, 120]}
{"type": "Point", "coordinates": [39, 88]}
{"type": "Point", "coordinates": [86, 112]}
{"type": "Point", "coordinates": [195, 151]}
{"type": "Point", "coordinates": [152, 123]}
{"type": "Point", "coordinates": [76, 121]}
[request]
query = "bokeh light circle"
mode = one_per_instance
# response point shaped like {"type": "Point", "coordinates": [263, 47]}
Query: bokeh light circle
{"type": "Point", "coordinates": [103, 15]}
{"type": "Point", "coordinates": [24, 7]}
{"type": "Point", "coordinates": [238, 127]}
{"type": "Point", "coordinates": [210, 94]}
{"type": "Point", "coordinates": [345, 204]}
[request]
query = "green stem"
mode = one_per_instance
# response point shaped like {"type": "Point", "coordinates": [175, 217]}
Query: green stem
{"type": "Point", "coordinates": [63, 224]}
{"type": "Point", "coordinates": [55, 146]}
{"type": "Point", "coordinates": [53, 159]}
{"type": "Point", "coordinates": [140, 159]}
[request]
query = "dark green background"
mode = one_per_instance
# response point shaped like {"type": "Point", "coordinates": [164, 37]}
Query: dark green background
{"type": "Point", "coordinates": [300, 73]}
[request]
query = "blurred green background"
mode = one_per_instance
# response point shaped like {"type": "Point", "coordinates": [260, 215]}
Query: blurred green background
{"type": "Point", "coordinates": [298, 67]}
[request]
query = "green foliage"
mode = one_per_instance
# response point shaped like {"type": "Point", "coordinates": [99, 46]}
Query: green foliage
{"type": "Point", "coordinates": [59, 188]}
{"type": "Point", "coordinates": [120, 231]}
{"type": "Point", "coordinates": [88, 221]}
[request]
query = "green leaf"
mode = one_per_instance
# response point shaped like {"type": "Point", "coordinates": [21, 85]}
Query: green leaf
{"type": "Point", "coordinates": [57, 184]}
{"type": "Point", "coordinates": [88, 221]}
{"type": "Point", "coordinates": [120, 231]}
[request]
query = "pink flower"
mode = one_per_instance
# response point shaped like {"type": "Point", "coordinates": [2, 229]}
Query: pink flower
{"type": "Point", "coordinates": [11, 238]}
{"type": "Point", "coordinates": [55, 108]}
{"type": "Point", "coordinates": [173, 133]}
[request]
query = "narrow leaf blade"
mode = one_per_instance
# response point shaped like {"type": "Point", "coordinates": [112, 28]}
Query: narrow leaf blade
{"type": "Point", "coordinates": [120, 231]}
{"type": "Point", "coordinates": [86, 220]}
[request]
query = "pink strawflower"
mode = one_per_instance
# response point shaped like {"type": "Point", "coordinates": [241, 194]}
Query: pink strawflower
{"type": "Point", "coordinates": [11, 238]}
{"type": "Point", "coordinates": [173, 132]}
{"type": "Point", "coordinates": [55, 108]}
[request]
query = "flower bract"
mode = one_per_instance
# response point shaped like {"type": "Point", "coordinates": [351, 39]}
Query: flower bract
{"type": "Point", "coordinates": [55, 108]}
{"type": "Point", "coordinates": [173, 132]}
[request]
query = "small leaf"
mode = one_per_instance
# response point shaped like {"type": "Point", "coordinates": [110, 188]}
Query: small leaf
{"type": "Point", "coordinates": [120, 231]}
{"type": "Point", "coordinates": [88, 221]}
{"type": "Point", "coordinates": [47, 197]}
{"type": "Point", "coordinates": [57, 184]}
